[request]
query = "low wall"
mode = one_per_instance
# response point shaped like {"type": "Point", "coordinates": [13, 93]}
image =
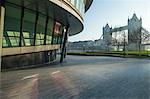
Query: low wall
{"type": "Point", "coordinates": [25, 60]}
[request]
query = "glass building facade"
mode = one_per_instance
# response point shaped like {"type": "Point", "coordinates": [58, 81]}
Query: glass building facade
{"type": "Point", "coordinates": [28, 28]}
{"type": "Point", "coordinates": [79, 5]}
{"type": "Point", "coordinates": [32, 31]}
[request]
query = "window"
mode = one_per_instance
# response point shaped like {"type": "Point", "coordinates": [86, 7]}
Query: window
{"type": "Point", "coordinates": [57, 28]}
{"type": "Point", "coordinates": [73, 2]}
{"type": "Point", "coordinates": [49, 31]}
{"type": "Point", "coordinates": [40, 30]}
{"type": "Point", "coordinates": [11, 33]}
{"type": "Point", "coordinates": [5, 44]}
{"type": "Point", "coordinates": [57, 32]}
{"type": "Point", "coordinates": [28, 27]}
{"type": "Point", "coordinates": [79, 5]}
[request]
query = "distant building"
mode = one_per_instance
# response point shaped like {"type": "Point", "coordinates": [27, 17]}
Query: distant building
{"type": "Point", "coordinates": [86, 46]}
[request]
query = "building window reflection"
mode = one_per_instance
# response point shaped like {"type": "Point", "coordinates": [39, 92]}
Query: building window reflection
{"type": "Point", "coordinates": [79, 5]}
{"type": "Point", "coordinates": [11, 33]}
{"type": "Point", "coordinates": [57, 33]}
{"type": "Point", "coordinates": [40, 30]}
{"type": "Point", "coordinates": [28, 27]}
{"type": "Point", "coordinates": [49, 31]}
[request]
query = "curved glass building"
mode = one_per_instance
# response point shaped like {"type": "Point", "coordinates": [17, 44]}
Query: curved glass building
{"type": "Point", "coordinates": [33, 30]}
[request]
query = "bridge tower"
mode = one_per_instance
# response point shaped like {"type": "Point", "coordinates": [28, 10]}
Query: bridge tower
{"type": "Point", "coordinates": [107, 35]}
{"type": "Point", "coordinates": [134, 32]}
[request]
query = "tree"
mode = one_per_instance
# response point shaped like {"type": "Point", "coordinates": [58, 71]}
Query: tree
{"type": "Point", "coordinates": [119, 39]}
{"type": "Point", "coordinates": [108, 43]}
{"type": "Point", "coordinates": [139, 38]}
{"type": "Point", "coordinates": [124, 43]}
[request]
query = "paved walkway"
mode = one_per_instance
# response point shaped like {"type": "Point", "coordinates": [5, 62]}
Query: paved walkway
{"type": "Point", "coordinates": [80, 77]}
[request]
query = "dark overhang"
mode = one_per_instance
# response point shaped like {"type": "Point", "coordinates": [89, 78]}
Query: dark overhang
{"type": "Point", "coordinates": [55, 11]}
{"type": "Point", "coordinates": [88, 4]}
{"type": "Point", "coordinates": [1, 2]}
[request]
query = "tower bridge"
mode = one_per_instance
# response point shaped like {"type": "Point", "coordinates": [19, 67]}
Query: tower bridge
{"type": "Point", "coordinates": [133, 30]}
{"type": "Point", "coordinates": [119, 29]}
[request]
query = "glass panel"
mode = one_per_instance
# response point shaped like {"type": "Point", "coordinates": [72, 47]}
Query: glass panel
{"type": "Point", "coordinates": [12, 25]}
{"type": "Point", "coordinates": [49, 31]}
{"type": "Point", "coordinates": [38, 36]}
{"type": "Point", "coordinates": [28, 27]}
{"type": "Point", "coordinates": [41, 24]}
{"type": "Point", "coordinates": [10, 33]}
{"type": "Point", "coordinates": [48, 39]}
{"type": "Point", "coordinates": [14, 41]}
{"type": "Point", "coordinates": [29, 22]}
{"type": "Point", "coordinates": [79, 5]}
{"type": "Point", "coordinates": [28, 42]}
{"type": "Point", "coordinates": [12, 20]}
{"type": "Point", "coordinates": [39, 42]}
{"type": "Point", "coordinates": [5, 44]}
{"type": "Point", "coordinates": [42, 42]}
{"type": "Point", "coordinates": [50, 25]}
{"type": "Point", "coordinates": [26, 35]}
{"type": "Point", "coordinates": [55, 40]}
{"type": "Point", "coordinates": [73, 2]}
{"type": "Point", "coordinates": [40, 30]}
{"type": "Point", "coordinates": [42, 36]}
{"type": "Point", "coordinates": [17, 34]}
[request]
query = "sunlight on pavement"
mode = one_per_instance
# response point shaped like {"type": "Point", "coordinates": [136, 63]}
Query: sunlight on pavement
{"type": "Point", "coordinates": [64, 84]}
{"type": "Point", "coordinates": [26, 88]}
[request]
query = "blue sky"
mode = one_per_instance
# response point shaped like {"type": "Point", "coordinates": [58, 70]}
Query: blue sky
{"type": "Point", "coordinates": [113, 12]}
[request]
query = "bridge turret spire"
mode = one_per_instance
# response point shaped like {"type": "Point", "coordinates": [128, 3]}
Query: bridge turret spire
{"type": "Point", "coordinates": [107, 25]}
{"type": "Point", "coordinates": [135, 17]}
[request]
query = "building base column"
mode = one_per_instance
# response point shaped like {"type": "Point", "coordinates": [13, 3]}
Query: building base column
{"type": "Point", "coordinates": [63, 51]}
{"type": "Point", "coordinates": [2, 15]}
